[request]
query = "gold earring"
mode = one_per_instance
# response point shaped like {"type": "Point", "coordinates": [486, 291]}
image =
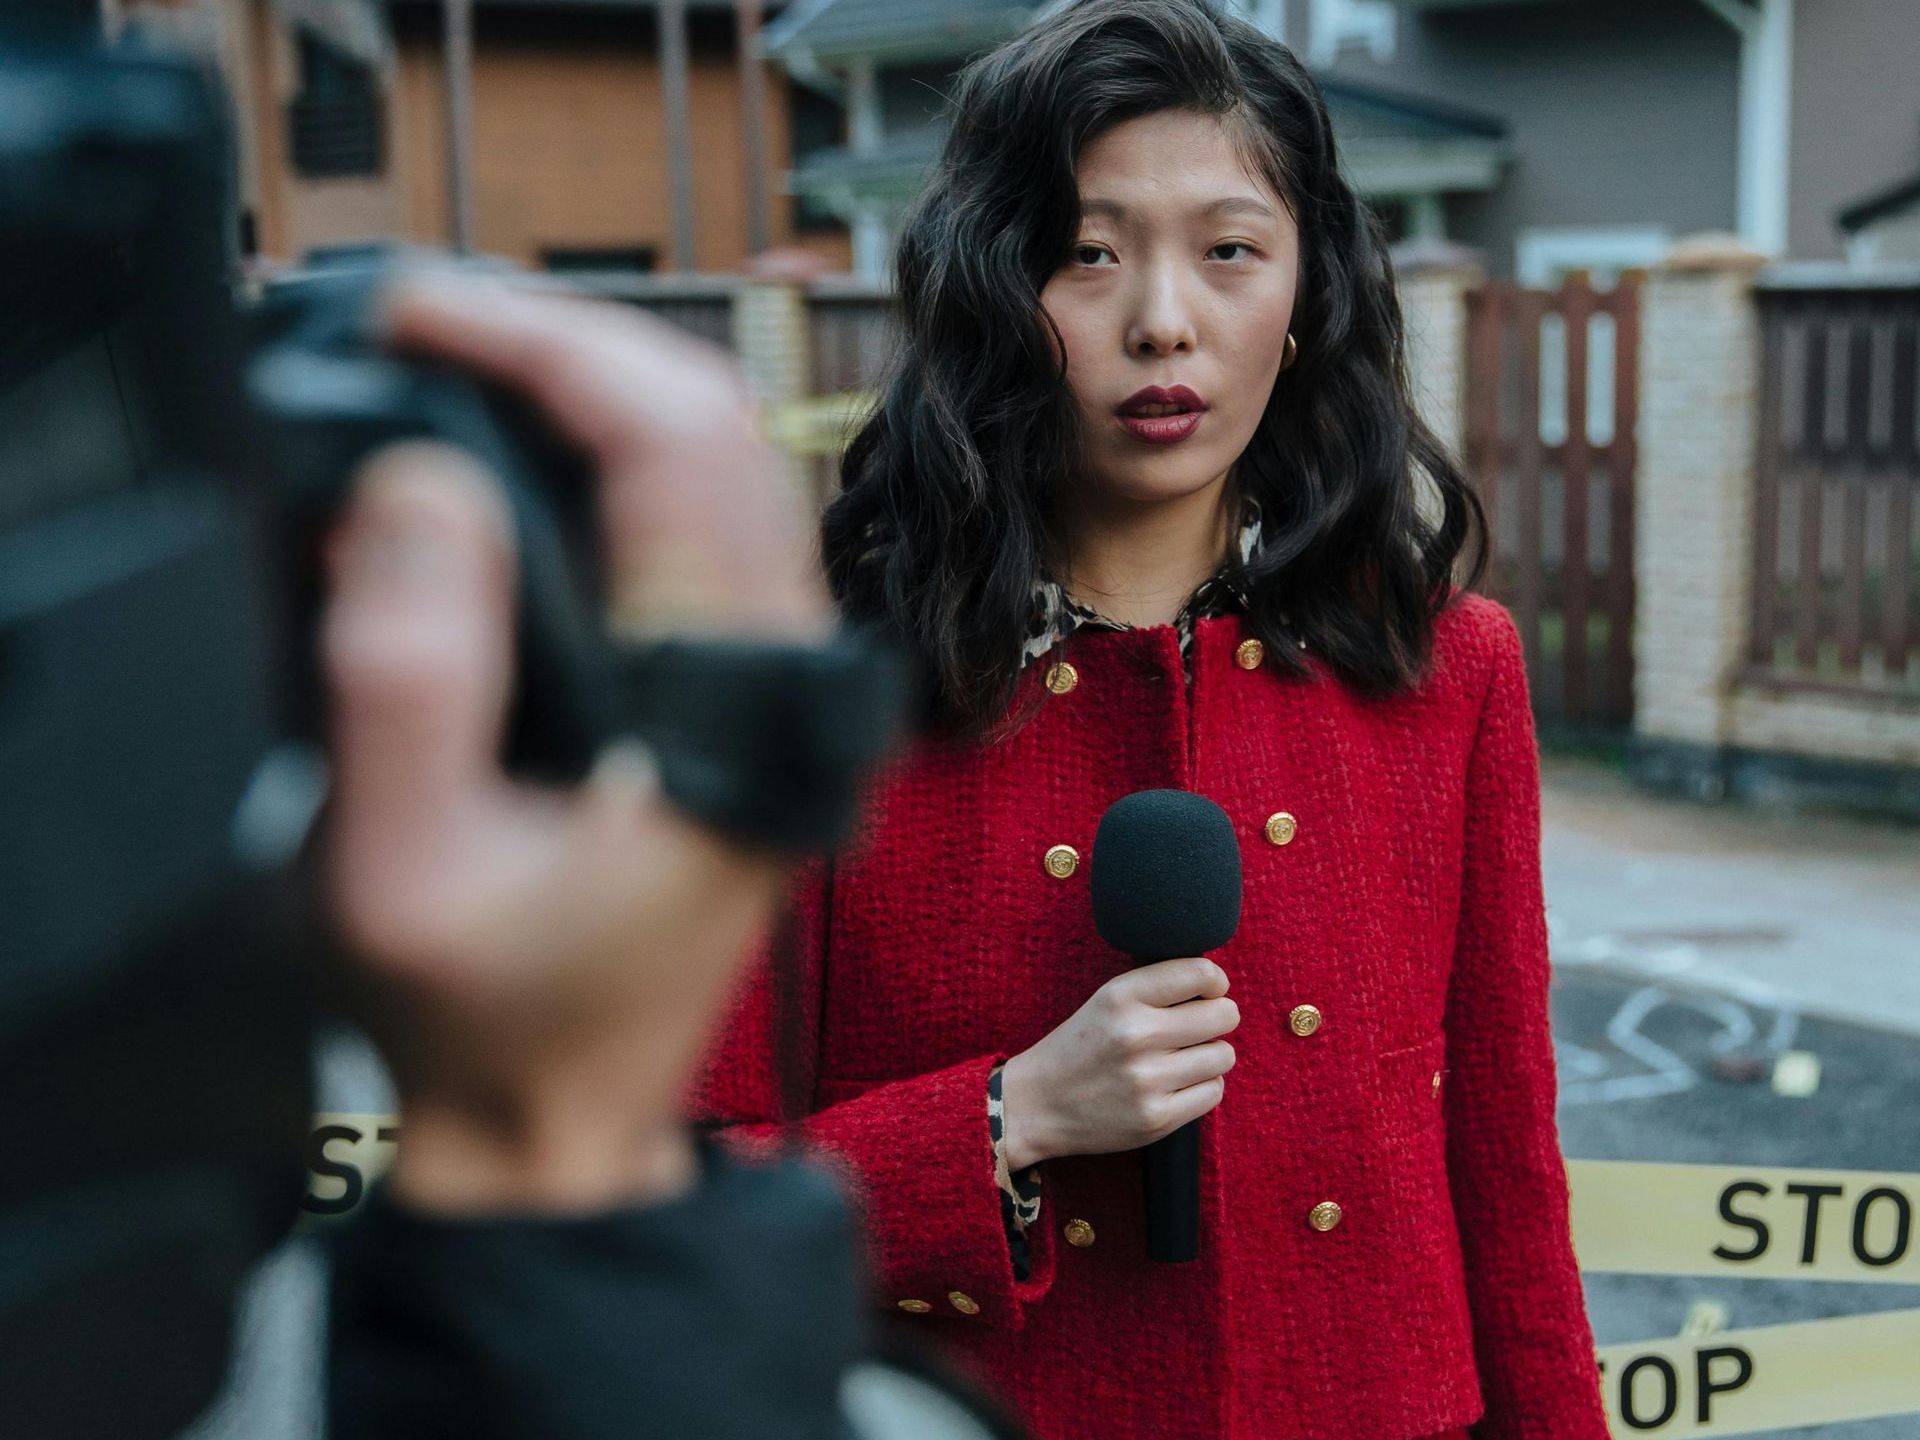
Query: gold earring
{"type": "Point", "coordinates": [1290, 354]}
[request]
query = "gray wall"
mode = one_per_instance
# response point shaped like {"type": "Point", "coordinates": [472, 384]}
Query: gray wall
{"type": "Point", "coordinates": [1621, 112]}
{"type": "Point", "coordinates": [1856, 111]}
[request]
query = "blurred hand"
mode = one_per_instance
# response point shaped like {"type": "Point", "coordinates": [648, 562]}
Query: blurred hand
{"type": "Point", "coordinates": [541, 966]}
{"type": "Point", "coordinates": [1140, 1059]}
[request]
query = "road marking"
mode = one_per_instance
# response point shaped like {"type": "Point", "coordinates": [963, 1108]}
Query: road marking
{"type": "Point", "coordinates": [1741, 1008]}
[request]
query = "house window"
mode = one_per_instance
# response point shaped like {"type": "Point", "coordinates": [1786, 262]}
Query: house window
{"type": "Point", "coordinates": [334, 122]}
{"type": "Point", "coordinates": [814, 123]}
{"type": "Point", "coordinates": [1269, 15]}
{"type": "Point", "coordinates": [601, 259]}
{"type": "Point", "coordinates": [1333, 25]}
{"type": "Point", "coordinates": [1546, 254]}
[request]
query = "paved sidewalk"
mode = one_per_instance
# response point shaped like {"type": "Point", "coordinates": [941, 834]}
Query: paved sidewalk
{"type": "Point", "coordinates": [1815, 913]}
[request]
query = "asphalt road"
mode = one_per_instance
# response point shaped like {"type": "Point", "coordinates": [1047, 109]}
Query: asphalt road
{"type": "Point", "coordinates": [1620, 1039]}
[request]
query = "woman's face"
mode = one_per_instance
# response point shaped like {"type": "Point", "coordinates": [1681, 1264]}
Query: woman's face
{"type": "Point", "coordinates": [1182, 274]}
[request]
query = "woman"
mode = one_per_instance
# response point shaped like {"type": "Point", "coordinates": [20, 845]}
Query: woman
{"type": "Point", "coordinates": [1146, 497]}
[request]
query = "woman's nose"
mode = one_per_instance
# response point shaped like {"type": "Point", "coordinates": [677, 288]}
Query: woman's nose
{"type": "Point", "coordinates": [1162, 322]}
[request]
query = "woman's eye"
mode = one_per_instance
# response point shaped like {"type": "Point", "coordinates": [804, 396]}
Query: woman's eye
{"type": "Point", "coordinates": [1233, 245]}
{"type": "Point", "coordinates": [1089, 254]}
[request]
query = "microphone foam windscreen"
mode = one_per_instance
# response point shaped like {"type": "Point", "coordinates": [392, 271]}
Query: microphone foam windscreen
{"type": "Point", "coordinates": [1166, 875]}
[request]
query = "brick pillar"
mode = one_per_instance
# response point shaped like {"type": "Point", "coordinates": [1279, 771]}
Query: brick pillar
{"type": "Point", "coordinates": [1434, 278]}
{"type": "Point", "coordinates": [770, 336]}
{"type": "Point", "coordinates": [1693, 504]}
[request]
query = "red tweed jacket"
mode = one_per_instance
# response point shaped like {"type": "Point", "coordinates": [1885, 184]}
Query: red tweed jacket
{"type": "Point", "coordinates": [1386, 1251]}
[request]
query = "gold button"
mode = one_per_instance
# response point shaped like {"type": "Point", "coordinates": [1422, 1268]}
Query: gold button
{"type": "Point", "coordinates": [1062, 678]}
{"type": "Point", "coordinates": [1304, 1020]}
{"type": "Point", "coordinates": [1324, 1216]}
{"type": "Point", "coordinates": [1249, 654]}
{"type": "Point", "coordinates": [915, 1307]}
{"type": "Point", "coordinates": [1282, 827]}
{"type": "Point", "coordinates": [1079, 1234]}
{"type": "Point", "coordinates": [1062, 861]}
{"type": "Point", "coordinates": [1436, 1084]}
{"type": "Point", "coordinates": [963, 1304]}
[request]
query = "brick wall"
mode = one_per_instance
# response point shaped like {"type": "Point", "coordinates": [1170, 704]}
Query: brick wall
{"type": "Point", "coordinates": [1693, 494]}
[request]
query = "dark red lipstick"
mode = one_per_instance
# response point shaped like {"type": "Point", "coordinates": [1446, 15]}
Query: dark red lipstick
{"type": "Point", "coordinates": [1161, 415]}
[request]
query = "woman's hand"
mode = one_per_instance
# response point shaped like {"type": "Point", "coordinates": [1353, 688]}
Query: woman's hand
{"type": "Point", "coordinates": [1140, 1059]}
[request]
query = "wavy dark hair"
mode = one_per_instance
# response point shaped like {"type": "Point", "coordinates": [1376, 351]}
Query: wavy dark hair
{"type": "Point", "coordinates": [942, 524]}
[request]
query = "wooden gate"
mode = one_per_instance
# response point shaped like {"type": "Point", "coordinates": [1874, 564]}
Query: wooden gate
{"type": "Point", "coordinates": [1552, 400]}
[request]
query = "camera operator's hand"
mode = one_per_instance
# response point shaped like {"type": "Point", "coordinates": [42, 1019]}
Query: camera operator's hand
{"type": "Point", "coordinates": [542, 965]}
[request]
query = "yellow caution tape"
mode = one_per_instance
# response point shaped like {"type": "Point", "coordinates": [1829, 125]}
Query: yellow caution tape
{"type": "Point", "coordinates": [818, 425]}
{"type": "Point", "coordinates": [345, 1154]}
{"type": "Point", "coordinates": [1712, 1220]}
{"type": "Point", "coordinates": [1745, 1382]}
{"type": "Point", "coordinates": [1746, 1222]}
{"type": "Point", "coordinates": [1726, 1221]}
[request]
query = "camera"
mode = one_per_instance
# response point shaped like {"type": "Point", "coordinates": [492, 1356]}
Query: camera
{"type": "Point", "coordinates": [169, 463]}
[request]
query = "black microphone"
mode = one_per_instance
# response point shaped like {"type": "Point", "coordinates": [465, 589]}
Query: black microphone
{"type": "Point", "coordinates": [1166, 884]}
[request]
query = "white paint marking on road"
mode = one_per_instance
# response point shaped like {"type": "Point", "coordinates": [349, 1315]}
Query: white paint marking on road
{"type": "Point", "coordinates": [1580, 1062]}
{"type": "Point", "coordinates": [1584, 1074]}
{"type": "Point", "coordinates": [1667, 1073]}
{"type": "Point", "coordinates": [1731, 1000]}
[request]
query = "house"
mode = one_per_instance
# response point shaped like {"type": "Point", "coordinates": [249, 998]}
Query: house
{"type": "Point", "coordinates": [887, 65]}
{"type": "Point", "coordinates": [1632, 122]}
{"type": "Point", "coordinates": [1550, 135]}
{"type": "Point", "coordinates": [890, 65]}
{"type": "Point", "coordinates": [341, 131]}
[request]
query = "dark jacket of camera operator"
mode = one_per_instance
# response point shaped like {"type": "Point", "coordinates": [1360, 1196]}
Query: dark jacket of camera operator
{"type": "Point", "coordinates": [728, 1312]}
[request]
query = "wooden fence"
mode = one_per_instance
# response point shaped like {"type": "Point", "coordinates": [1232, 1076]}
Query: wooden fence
{"type": "Point", "coordinates": [850, 322]}
{"type": "Point", "coordinates": [851, 331]}
{"type": "Point", "coordinates": [700, 303]}
{"type": "Point", "coordinates": [1836, 573]}
{"type": "Point", "coordinates": [1552, 402]}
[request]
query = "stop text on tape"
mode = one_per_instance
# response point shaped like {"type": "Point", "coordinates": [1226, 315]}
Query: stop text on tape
{"type": "Point", "coordinates": [1745, 1221]}
{"type": "Point", "coordinates": [1776, 1377]}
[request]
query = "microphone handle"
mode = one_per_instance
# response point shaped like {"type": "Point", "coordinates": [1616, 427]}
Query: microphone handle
{"type": "Point", "coordinates": [1170, 1170]}
{"type": "Point", "coordinates": [1170, 1179]}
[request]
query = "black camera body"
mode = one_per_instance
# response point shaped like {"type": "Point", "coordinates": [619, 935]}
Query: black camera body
{"type": "Point", "coordinates": [168, 465]}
